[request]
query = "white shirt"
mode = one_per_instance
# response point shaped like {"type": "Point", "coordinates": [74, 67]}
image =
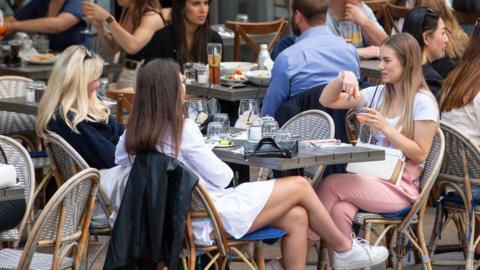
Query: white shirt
{"type": "Point", "coordinates": [466, 119]}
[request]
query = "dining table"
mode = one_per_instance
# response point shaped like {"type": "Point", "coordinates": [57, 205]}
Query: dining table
{"type": "Point", "coordinates": [370, 68]}
{"type": "Point", "coordinates": [12, 193]}
{"type": "Point", "coordinates": [227, 93]}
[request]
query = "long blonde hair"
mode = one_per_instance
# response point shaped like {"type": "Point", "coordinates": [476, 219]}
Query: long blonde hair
{"type": "Point", "coordinates": [457, 38]}
{"type": "Point", "coordinates": [67, 91]}
{"type": "Point", "coordinates": [409, 54]}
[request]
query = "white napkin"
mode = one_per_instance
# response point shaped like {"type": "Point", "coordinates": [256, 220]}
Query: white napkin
{"type": "Point", "coordinates": [8, 176]}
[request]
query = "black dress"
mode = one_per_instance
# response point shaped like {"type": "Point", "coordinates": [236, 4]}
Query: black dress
{"type": "Point", "coordinates": [436, 71]}
{"type": "Point", "coordinates": [162, 44]}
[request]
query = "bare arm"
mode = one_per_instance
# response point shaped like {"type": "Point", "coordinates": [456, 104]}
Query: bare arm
{"type": "Point", "coordinates": [129, 42]}
{"type": "Point", "coordinates": [342, 92]}
{"type": "Point", "coordinates": [49, 25]}
{"type": "Point", "coordinates": [355, 14]}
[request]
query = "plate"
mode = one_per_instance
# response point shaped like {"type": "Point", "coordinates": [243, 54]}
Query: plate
{"type": "Point", "coordinates": [227, 68]}
{"type": "Point", "coordinates": [225, 146]}
{"type": "Point", "coordinates": [225, 81]}
{"type": "Point", "coordinates": [259, 77]}
{"type": "Point", "coordinates": [41, 59]}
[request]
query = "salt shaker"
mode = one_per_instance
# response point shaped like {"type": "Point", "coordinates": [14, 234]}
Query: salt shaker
{"type": "Point", "coordinates": [30, 96]}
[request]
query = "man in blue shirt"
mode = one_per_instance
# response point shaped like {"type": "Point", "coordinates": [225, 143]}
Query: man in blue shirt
{"type": "Point", "coordinates": [315, 59]}
{"type": "Point", "coordinates": [60, 19]}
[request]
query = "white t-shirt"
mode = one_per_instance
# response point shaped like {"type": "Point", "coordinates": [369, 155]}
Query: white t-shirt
{"type": "Point", "coordinates": [466, 119]}
{"type": "Point", "coordinates": [425, 107]}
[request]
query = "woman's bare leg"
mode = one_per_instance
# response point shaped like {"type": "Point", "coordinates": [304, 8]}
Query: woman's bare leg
{"type": "Point", "coordinates": [290, 192]}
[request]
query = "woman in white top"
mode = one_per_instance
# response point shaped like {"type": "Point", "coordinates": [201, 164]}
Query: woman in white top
{"type": "Point", "coordinates": [460, 93]}
{"type": "Point", "coordinates": [157, 123]}
{"type": "Point", "coordinates": [403, 114]}
{"type": "Point", "coordinates": [140, 19]}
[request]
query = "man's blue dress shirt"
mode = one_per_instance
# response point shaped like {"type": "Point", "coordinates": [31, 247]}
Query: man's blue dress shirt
{"type": "Point", "coordinates": [315, 59]}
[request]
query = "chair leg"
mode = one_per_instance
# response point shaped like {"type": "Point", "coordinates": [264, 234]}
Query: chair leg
{"type": "Point", "coordinates": [367, 230]}
{"type": "Point", "coordinates": [322, 263]}
{"type": "Point", "coordinates": [259, 255]}
{"type": "Point", "coordinates": [389, 242]}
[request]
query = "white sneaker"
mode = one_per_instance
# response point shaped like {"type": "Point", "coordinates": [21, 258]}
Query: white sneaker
{"type": "Point", "coordinates": [361, 255]}
{"type": "Point", "coordinates": [273, 265]}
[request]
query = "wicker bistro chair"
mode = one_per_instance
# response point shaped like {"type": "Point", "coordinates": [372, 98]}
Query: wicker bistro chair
{"type": "Point", "coordinates": [460, 172]}
{"type": "Point", "coordinates": [63, 224]}
{"type": "Point", "coordinates": [311, 125]}
{"type": "Point", "coordinates": [66, 162]}
{"type": "Point", "coordinates": [408, 223]}
{"type": "Point", "coordinates": [223, 246]}
{"type": "Point", "coordinates": [16, 155]}
{"type": "Point", "coordinates": [392, 13]}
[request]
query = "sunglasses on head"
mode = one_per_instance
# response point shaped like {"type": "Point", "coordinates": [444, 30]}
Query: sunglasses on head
{"type": "Point", "coordinates": [88, 54]}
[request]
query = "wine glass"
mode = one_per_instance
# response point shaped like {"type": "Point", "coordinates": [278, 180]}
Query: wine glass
{"type": "Point", "coordinates": [87, 30]}
{"type": "Point", "coordinates": [197, 110]}
{"type": "Point", "coordinates": [248, 111]}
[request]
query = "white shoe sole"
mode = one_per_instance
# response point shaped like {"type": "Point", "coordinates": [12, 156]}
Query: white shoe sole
{"type": "Point", "coordinates": [359, 265]}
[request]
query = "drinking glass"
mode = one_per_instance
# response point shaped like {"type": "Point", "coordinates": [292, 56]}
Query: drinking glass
{"type": "Point", "coordinates": [215, 131]}
{"type": "Point", "coordinates": [87, 30]}
{"type": "Point", "coordinates": [214, 58]}
{"type": "Point", "coordinates": [222, 118]}
{"type": "Point", "coordinates": [269, 128]}
{"type": "Point", "coordinates": [197, 110]}
{"type": "Point", "coordinates": [351, 32]}
{"type": "Point", "coordinates": [248, 111]}
{"type": "Point", "coordinates": [242, 17]}
{"type": "Point", "coordinates": [42, 44]}
{"type": "Point", "coordinates": [283, 137]}
{"type": "Point", "coordinates": [189, 73]}
{"type": "Point", "coordinates": [14, 50]}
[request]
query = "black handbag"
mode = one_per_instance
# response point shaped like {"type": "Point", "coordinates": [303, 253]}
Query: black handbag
{"type": "Point", "coordinates": [268, 147]}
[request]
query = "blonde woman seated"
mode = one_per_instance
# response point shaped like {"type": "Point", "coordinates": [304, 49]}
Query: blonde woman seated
{"type": "Point", "coordinates": [157, 123]}
{"type": "Point", "coordinates": [140, 19]}
{"type": "Point", "coordinates": [404, 115]}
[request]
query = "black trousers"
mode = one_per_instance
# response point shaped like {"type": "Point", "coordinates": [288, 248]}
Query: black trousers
{"type": "Point", "coordinates": [11, 213]}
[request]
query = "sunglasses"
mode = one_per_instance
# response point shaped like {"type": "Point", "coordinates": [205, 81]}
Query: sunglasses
{"type": "Point", "coordinates": [88, 54]}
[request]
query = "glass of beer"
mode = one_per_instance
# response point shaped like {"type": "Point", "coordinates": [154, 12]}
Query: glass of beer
{"type": "Point", "coordinates": [214, 59]}
{"type": "Point", "coordinates": [351, 32]}
{"type": "Point", "coordinates": [3, 30]}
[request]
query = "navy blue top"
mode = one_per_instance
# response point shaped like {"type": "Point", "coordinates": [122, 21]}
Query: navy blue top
{"type": "Point", "coordinates": [282, 44]}
{"type": "Point", "coordinates": [96, 142]}
{"type": "Point", "coordinates": [36, 9]}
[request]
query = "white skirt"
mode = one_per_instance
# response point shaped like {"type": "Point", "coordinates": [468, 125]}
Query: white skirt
{"type": "Point", "coordinates": [238, 208]}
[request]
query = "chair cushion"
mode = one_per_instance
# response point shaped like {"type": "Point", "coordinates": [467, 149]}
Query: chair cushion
{"type": "Point", "coordinates": [9, 259]}
{"type": "Point", "coordinates": [453, 199]}
{"type": "Point", "coordinates": [39, 159]}
{"type": "Point", "coordinates": [268, 235]}
{"type": "Point", "coordinates": [38, 154]}
{"type": "Point", "coordinates": [360, 217]}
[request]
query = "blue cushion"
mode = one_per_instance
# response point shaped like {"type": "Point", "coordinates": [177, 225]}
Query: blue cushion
{"type": "Point", "coordinates": [268, 235]}
{"type": "Point", "coordinates": [398, 214]}
{"type": "Point", "coordinates": [38, 154]}
{"type": "Point", "coordinates": [454, 198]}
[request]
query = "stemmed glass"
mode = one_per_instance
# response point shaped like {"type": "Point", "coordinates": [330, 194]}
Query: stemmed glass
{"type": "Point", "coordinates": [197, 110]}
{"type": "Point", "coordinates": [248, 111]}
{"type": "Point", "coordinates": [87, 30]}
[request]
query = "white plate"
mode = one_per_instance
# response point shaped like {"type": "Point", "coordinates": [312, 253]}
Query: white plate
{"type": "Point", "coordinates": [227, 68]}
{"type": "Point", "coordinates": [37, 62]}
{"type": "Point", "coordinates": [259, 77]}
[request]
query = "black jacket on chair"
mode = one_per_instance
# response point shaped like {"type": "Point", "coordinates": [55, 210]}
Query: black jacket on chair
{"type": "Point", "coordinates": [151, 221]}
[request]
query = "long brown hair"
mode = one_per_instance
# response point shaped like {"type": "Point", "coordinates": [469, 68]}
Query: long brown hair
{"type": "Point", "coordinates": [157, 113]}
{"type": "Point", "coordinates": [198, 53]}
{"type": "Point", "coordinates": [409, 54]}
{"type": "Point", "coordinates": [457, 38]}
{"type": "Point", "coordinates": [139, 8]}
{"type": "Point", "coordinates": [462, 85]}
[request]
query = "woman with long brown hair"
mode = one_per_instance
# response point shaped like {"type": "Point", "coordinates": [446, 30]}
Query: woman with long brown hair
{"type": "Point", "coordinates": [460, 93]}
{"type": "Point", "coordinates": [138, 23]}
{"type": "Point", "coordinates": [185, 40]}
{"type": "Point", "coordinates": [402, 114]}
{"type": "Point", "coordinates": [457, 38]}
{"type": "Point", "coordinates": [157, 123]}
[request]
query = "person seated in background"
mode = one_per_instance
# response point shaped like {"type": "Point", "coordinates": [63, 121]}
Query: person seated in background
{"type": "Point", "coordinates": [185, 40]}
{"type": "Point", "coordinates": [356, 11]}
{"type": "Point", "coordinates": [466, 6]}
{"type": "Point", "coordinates": [158, 123]}
{"type": "Point", "coordinates": [457, 38]}
{"type": "Point", "coordinates": [60, 19]}
{"type": "Point", "coordinates": [70, 108]}
{"type": "Point", "coordinates": [403, 114]}
{"type": "Point", "coordinates": [460, 93]}
{"type": "Point", "coordinates": [428, 28]}
{"type": "Point", "coordinates": [315, 58]}
{"type": "Point", "coordinates": [138, 23]}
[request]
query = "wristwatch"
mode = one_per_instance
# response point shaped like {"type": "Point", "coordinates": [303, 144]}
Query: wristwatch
{"type": "Point", "coordinates": [109, 19]}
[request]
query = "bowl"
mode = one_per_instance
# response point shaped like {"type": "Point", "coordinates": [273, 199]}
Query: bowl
{"type": "Point", "coordinates": [259, 77]}
{"type": "Point", "coordinates": [227, 68]}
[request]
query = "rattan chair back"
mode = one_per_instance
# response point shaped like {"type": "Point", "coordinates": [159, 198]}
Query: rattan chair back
{"type": "Point", "coordinates": [311, 125]}
{"type": "Point", "coordinates": [65, 220]}
{"type": "Point", "coordinates": [17, 155]}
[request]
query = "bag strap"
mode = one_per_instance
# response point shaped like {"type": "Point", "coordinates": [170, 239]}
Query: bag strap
{"type": "Point", "coordinates": [2, 153]}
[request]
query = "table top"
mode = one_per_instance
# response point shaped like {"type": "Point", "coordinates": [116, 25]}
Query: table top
{"type": "Point", "coordinates": [42, 72]}
{"type": "Point", "coordinates": [11, 193]}
{"type": "Point", "coordinates": [18, 105]}
{"type": "Point", "coordinates": [307, 156]}
{"type": "Point", "coordinates": [227, 93]}
{"type": "Point", "coordinates": [370, 68]}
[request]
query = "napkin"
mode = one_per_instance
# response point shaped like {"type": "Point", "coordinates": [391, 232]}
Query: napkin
{"type": "Point", "coordinates": [8, 176]}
